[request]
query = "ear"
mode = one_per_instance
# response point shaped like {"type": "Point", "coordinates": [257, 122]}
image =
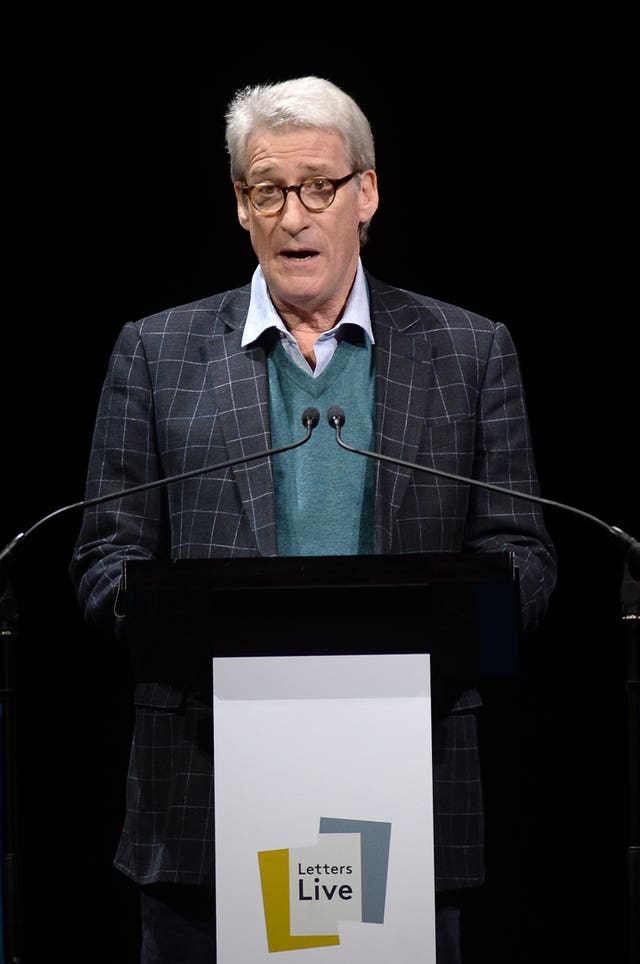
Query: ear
{"type": "Point", "coordinates": [243, 212]}
{"type": "Point", "coordinates": [368, 195]}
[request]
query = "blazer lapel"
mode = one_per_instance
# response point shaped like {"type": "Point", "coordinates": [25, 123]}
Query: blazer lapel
{"type": "Point", "coordinates": [403, 374]}
{"type": "Point", "coordinates": [239, 383]}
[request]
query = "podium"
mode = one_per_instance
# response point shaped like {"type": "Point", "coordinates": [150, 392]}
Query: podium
{"type": "Point", "coordinates": [320, 671]}
{"type": "Point", "coordinates": [461, 608]}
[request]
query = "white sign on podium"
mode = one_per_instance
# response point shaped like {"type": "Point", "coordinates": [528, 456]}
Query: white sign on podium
{"type": "Point", "coordinates": [323, 809]}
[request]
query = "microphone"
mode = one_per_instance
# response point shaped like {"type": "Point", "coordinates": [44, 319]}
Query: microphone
{"type": "Point", "coordinates": [337, 418]}
{"type": "Point", "coordinates": [310, 418]}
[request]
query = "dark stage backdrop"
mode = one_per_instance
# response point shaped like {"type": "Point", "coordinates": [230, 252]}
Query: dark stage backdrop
{"type": "Point", "coordinates": [508, 179]}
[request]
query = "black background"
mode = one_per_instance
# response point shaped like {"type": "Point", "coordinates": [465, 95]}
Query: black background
{"type": "Point", "coordinates": [508, 176]}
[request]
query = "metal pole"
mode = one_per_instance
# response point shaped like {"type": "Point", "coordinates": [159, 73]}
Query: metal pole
{"type": "Point", "coordinates": [11, 883]}
{"type": "Point", "coordinates": [630, 597]}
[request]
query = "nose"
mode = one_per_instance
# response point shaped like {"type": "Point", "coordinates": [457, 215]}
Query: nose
{"type": "Point", "coordinates": [293, 210]}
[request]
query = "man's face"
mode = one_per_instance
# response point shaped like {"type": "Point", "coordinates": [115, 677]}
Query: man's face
{"type": "Point", "coordinates": [308, 258]}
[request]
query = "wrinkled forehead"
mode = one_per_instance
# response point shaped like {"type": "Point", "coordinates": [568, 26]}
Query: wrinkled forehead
{"type": "Point", "coordinates": [303, 149]}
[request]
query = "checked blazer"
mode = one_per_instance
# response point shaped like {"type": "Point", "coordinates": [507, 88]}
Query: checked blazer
{"type": "Point", "coordinates": [181, 393]}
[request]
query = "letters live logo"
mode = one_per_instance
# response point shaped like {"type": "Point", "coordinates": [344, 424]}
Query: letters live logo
{"type": "Point", "coordinates": [307, 891]}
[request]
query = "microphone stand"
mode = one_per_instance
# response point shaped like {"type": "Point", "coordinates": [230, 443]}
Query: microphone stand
{"type": "Point", "coordinates": [10, 882]}
{"type": "Point", "coordinates": [630, 597]}
{"type": "Point", "coordinates": [630, 603]}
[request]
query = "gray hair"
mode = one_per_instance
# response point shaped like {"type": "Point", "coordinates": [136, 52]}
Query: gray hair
{"type": "Point", "coordinates": [303, 102]}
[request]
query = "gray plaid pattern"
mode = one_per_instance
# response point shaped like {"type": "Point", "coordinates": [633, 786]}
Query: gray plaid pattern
{"type": "Point", "coordinates": [181, 393]}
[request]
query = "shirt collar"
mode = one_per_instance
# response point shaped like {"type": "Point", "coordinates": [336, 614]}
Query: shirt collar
{"type": "Point", "coordinates": [263, 315]}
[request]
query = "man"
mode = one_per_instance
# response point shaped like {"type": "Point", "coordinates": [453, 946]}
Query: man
{"type": "Point", "coordinates": [229, 376]}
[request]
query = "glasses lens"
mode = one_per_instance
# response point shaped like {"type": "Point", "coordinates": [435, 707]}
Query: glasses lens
{"type": "Point", "coordinates": [317, 193]}
{"type": "Point", "coordinates": [267, 197]}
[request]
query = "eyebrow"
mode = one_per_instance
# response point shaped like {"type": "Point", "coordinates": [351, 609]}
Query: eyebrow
{"type": "Point", "coordinates": [267, 175]}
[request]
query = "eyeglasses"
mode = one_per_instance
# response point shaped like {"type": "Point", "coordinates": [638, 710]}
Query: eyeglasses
{"type": "Point", "coordinates": [316, 193]}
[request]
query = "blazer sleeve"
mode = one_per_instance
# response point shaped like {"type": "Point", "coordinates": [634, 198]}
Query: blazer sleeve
{"type": "Point", "coordinates": [123, 455]}
{"type": "Point", "coordinates": [504, 457]}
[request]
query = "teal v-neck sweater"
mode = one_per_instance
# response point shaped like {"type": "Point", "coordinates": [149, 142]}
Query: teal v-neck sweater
{"type": "Point", "coordinates": [324, 494]}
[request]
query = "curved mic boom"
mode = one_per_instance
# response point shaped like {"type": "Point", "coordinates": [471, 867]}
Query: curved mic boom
{"type": "Point", "coordinates": [337, 418]}
{"type": "Point", "coordinates": [310, 418]}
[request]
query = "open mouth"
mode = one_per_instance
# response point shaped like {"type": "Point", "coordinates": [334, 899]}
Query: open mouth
{"type": "Point", "coordinates": [299, 255]}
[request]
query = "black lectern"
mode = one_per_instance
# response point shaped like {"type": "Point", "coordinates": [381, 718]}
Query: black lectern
{"type": "Point", "coordinates": [286, 642]}
{"type": "Point", "coordinates": [461, 608]}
